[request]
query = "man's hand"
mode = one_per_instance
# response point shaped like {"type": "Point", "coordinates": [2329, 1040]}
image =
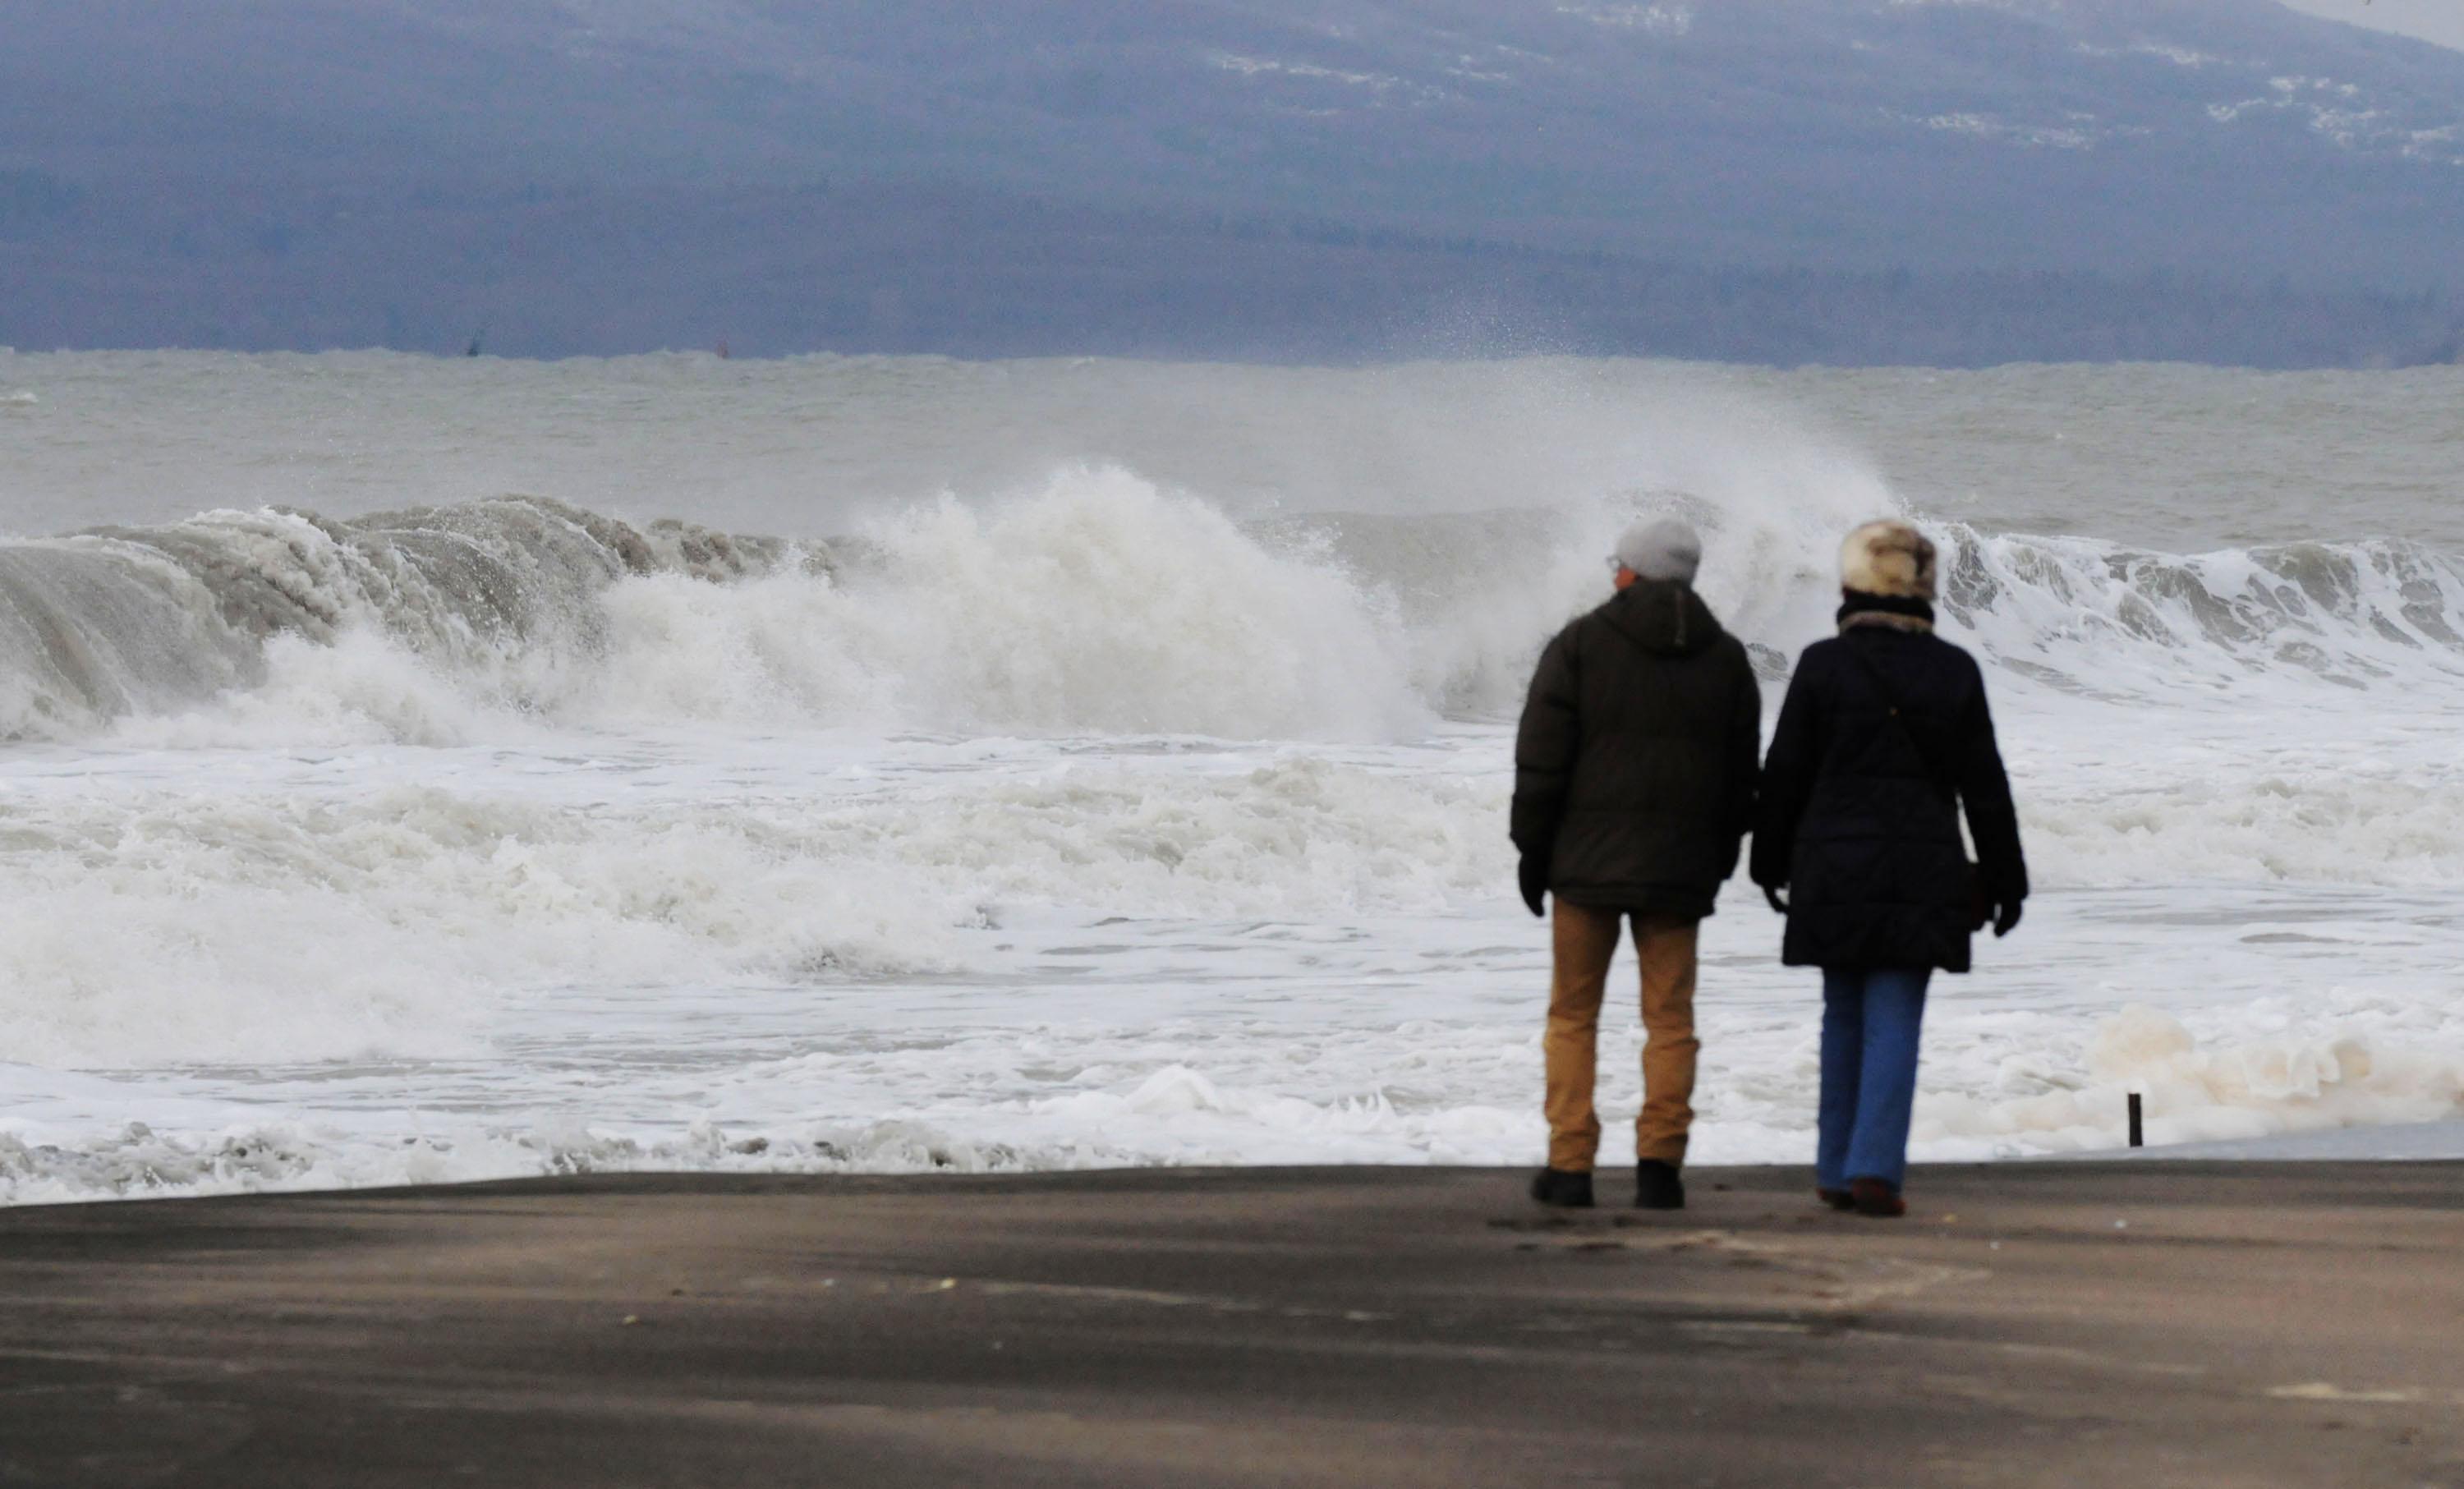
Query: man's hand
{"type": "Point", "coordinates": [1532, 874]}
{"type": "Point", "coordinates": [2006, 919]}
{"type": "Point", "coordinates": [1772, 897]}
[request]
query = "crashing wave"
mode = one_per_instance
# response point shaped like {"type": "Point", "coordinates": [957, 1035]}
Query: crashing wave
{"type": "Point", "coordinates": [2103, 618]}
{"type": "Point", "coordinates": [1101, 606]}
{"type": "Point", "coordinates": [121, 621]}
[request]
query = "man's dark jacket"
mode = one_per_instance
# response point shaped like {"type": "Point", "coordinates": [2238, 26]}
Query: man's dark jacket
{"type": "Point", "coordinates": [1633, 770]}
{"type": "Point", "coordinates": [1858, 822]}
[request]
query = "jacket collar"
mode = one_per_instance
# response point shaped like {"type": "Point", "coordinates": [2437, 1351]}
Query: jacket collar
{"type": "Point", "coordinates": [1885, 621]}
{"type": "Point", "coordinates": [1890, 612]}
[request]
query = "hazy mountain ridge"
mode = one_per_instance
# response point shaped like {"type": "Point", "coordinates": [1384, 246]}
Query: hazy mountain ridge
{"type": "Point", "coordinates": [2227, 139]}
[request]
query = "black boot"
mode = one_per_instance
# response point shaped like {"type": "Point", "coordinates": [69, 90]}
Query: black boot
{"type": "Point", "coordinates": [1876, 1197]}
{"type": "Point", "coordinates": [1562, 1187]}
{"type": "Point", "coordinates": [1657, 1186]}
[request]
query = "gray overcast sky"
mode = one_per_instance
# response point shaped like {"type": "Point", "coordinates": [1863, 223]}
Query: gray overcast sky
{"type": "Point", "coordinates": [2432, 20]}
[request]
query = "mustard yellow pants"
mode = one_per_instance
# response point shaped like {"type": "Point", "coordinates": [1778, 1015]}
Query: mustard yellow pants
{"type": "Point", "coordinates": [1584, 940]}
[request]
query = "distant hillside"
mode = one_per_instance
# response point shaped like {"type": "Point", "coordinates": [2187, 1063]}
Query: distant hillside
{"type": "Point", "coordinates": [1842, 180]}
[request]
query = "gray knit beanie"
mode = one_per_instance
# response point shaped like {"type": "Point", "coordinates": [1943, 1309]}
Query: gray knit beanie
{"type": "Point", "coordinates": [1661, 548]}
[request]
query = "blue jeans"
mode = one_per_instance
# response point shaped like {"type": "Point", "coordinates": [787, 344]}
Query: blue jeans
{"type": "Point", "coordinates": [1870, 1021]}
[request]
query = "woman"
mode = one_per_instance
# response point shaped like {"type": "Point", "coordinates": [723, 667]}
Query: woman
{"type": "Point", "coordinates": [1883, 733]}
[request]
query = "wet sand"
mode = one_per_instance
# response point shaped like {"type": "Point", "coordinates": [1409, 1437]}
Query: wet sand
{"type": "Point", "coordinates": [2118, 1325]}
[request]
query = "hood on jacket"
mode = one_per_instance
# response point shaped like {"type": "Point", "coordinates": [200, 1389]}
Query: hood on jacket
{"type": "Point", "coordinates": [1663, 617]}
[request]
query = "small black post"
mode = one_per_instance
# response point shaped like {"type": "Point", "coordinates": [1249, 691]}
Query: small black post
{"type": "Point", "coordinates": [2138, 1136]}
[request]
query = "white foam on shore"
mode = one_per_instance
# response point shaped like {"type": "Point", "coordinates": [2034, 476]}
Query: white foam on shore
{"type": "Point", "coordinates": [1438, 1092]}
{"type": "Point", "coordinates": [2412, 1142]}
{"type": "Point", "coordinates": [1405, 1037]}
{"type": "Point", "coordinates": [2361, 1064]}
{"type": "Point", "coordinates": [393, 921]}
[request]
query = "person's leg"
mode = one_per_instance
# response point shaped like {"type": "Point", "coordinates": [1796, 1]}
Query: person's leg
{"type": "Point", "coordinates": [1887, 1088]}
{"type": "Point", "coordinates": [1583, 941]}
{"type": "Point", "coordinates": [1665, 946]}
{"type": "Point", "coordinates": [1843, 1051]}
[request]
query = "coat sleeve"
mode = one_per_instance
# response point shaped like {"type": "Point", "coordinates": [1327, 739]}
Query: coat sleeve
{"type": "Point", "coordinates": [1788, 777]}
{"type": "Point", "coordinates": [1544, 749]}
{"type": "Point", "coordinates": [1985, 790]}
{"type": "Point", "coordinates": [1745, 747]}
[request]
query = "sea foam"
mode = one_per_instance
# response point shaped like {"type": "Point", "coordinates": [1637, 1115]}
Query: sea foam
{"type": "Point", "coordinates": [1114, 811]}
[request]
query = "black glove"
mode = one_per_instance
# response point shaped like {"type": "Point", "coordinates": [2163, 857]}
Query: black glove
{"type": "Point", "coordinates": [1772, 897]}
{"type": "Point", "coordinates": [2005, 918]}
{"type": "Point", "coordinates": [1532, 874]}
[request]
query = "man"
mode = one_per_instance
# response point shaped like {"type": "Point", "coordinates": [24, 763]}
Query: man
{"type": "Point", "coordinates": [1634, 783]}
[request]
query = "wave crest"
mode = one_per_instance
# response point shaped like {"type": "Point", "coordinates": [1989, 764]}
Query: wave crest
{"type": "Point", "coordinates": [1098, 604]}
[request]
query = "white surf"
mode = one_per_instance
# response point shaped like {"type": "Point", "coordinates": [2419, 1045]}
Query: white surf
{"type": "Point", "coordinates": [1012, 780]}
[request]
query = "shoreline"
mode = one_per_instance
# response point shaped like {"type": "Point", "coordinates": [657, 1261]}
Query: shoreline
{"type": "Point", "coordinates": [2436, 1141]}
{"type": "Point", "coordinates": [2187, 1323]}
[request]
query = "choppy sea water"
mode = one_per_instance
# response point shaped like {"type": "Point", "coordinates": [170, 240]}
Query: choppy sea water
{"type": "Point", "coordinates": [421, 769]}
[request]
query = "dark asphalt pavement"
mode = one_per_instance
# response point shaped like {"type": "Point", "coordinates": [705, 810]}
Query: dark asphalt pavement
{"type": "Point", "coordinates": [2111, 1324]}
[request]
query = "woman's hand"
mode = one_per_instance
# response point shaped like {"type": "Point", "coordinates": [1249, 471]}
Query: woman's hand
{"type": "Point", "coordinates": [1772, 897]}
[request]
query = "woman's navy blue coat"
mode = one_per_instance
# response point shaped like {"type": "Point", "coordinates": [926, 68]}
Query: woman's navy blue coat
{"type": "Point", "coordinates": [1858, 820]}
